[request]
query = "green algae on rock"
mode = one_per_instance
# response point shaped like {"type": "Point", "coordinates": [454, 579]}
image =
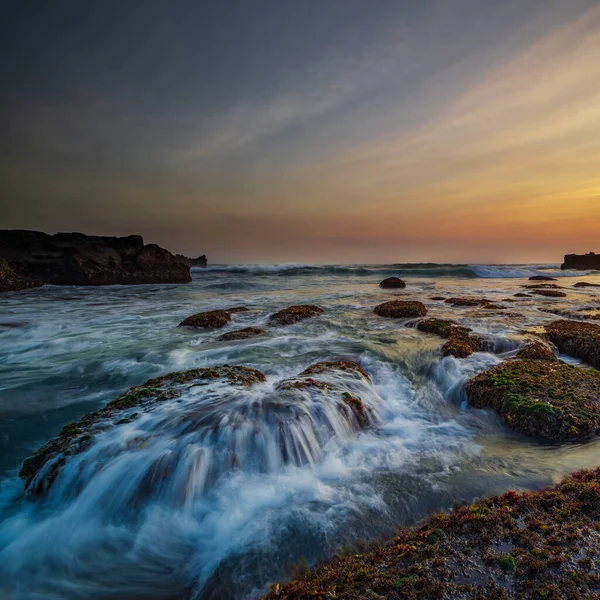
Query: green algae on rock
{"type": "Point", "coordinates": [240, 334]}
{"type": "Point", "coordinates": [212, 319]}
{"type": "Point", "coordinates": [515, 546]}
{"type": "Point", "coordinates": [543, 398]}
{"type": "Point", "coordinates": [294, 314]}
{"type": "Point", "coordinates": [401, 309]}
{"type": "Point", "coordinates": [536, 351]}
{"type": "Point", "coordinates": [460, 344]}
{"type": "Point", "coordinates": [581, 340]}
{"type": "Point", "coordinates": [78, 436]}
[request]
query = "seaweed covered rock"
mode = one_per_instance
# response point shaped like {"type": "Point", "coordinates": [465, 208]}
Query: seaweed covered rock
{"type": "Point", "coordinates": [460, 344]}
{"type": "Point", "coordinates": [536, 351]}
{"type": "Point", "coordinates": [11, 280]}
{"type": "Point", "coordinates": [467, 301]}
{"type": "Point", "coordinates": [514, 546]}
{"type": "Point", "coordinates": [543, 398]}
{"type": "Point", "coordinates": [212, 319]}
{"type": "Point", "coordinates": [391, 283]}
{"type": "Point", "coordinates": [240, 334]}
{"type": "Point", "coordinates": [40, 470]}
{"type": "Point", "coordinates": [581, 340]}
{"type": "Point", "coordinates": [401, 309]}
{"type": "Point", "coordinates": [541, 278]}
{"type": "Point", "coordinates": [337, 365]}
{"type": "Point", "coordinates": [294, 314]}
{"type": "Point", "coordinates": [549, 293]}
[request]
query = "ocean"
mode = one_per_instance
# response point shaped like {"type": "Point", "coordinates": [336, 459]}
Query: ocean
{"type": "Point", "coordinates": [228, 534]}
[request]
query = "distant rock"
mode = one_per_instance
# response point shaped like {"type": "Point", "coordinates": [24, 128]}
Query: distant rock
{"type": "Point", "coordinates": [584, 284]}
{"type": "Point", "coordinates": [549, 293]}
{"type": "Point", "coordinates": [11, 280]}
{"type": "Point", "coordinates": [201, 261]}
{"type": "Point", "coordinates": [392, 283]}
{"type": "Point", "coordinates": [541, 278]}
{"type": "Point", "coordinates": [582, 261]}
{"type": "Point", "coordinates": [78, 259]}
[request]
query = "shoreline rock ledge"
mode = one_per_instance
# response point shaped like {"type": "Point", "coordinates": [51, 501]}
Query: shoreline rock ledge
{"type": "Point", "coordinates": [591, 260]}
{"type": "Point", "coordinates": [78, 259]}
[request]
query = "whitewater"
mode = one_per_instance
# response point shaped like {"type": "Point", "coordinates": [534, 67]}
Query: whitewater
{"type": "Point", "coordinates": [205, 497]}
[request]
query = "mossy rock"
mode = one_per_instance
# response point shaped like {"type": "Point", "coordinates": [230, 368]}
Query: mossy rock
{"type": "Point", "coordinates": [335, 365]}
{"type": "Point", "coordinates": [581, 340]}
{"type": "Point", "coordinates": [444, 328]}
{"type": "Point", "coordinates": [467, 301]}
{"type": "Point", "coordinates": [212, 319]}
{"type": "Point", "coordinates": [240, 334]}
{"type": "Point", "coordinates": [294, 314]}
{"type": "Point", "coordinates": [536, 351]}
{"type": "Point", "coordinates": [401, 309]}
{"type": "Point", "coordinates": [543, 398]}
{"type": "Point", "coordinates": [392, 283]}
{"type": "Point", "coordinates": [461, 346]}
{"type": "Point", "coordinates": [77, 436]}
{"type": "Point", "coordinates": [549, 531]}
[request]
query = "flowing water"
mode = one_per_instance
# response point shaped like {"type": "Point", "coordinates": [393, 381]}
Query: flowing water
{"type": "Point", "coordinates": [226, 489]}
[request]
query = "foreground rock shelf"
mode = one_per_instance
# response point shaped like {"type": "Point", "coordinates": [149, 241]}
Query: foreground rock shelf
{"type": "Point", "coordinates": [536, 545]}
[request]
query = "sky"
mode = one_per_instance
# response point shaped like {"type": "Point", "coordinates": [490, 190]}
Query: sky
{"type": "Point", "coordinates": [327, 131]}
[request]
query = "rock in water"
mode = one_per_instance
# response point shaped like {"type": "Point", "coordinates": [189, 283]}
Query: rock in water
{"type": "Point", "coordinates": [581, 340]}
{"type": "Point", "coordinates": [543, 398]}
{"type": "Point", "coordinates": [582, 261]}
{"type": "Point", "coordinates": [401, 309]}
{"type": "Point", "coordinates": [201, 261]}
{"type": "Point", "coordinates": [392, 283]}
{"type": "Point", "coordinates": [294, 314]}
{"type": "Point", "coordinates": [11, 280]}
{"type": "Point", "coordinates": [78, 259]}
{"type": "Point", "coordinates": [541, 278]}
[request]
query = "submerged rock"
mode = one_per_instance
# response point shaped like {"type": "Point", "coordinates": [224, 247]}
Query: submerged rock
{"type": "Point", "coordinates": [392, 283]}
{"type": "Point", "coordinates": [294, 314]}
{"type": "Point", "coordinates": [526, 546]}
{"type": "Point", "coordinates": [542, 278]}
{"type": "Point", "coordinates": [543, 398]}
{"type": "Point", "coordinates": [401, 309]}
{"type": "Point", "coordinates": [11, 280]}
{"type": "Point", "coordinates": [78, 259]}
{"type": "Point", "coordinates": [584, 284]}
{"type": "Point", "coordinates": [550, 293]}
{"type": "Point", "coordinates": [581, 340]}
{"type": "Point", "coordinates": [240, 334]}
{"type": "Point", "coordinates": [177, 434]}
{"type": "Point", "coordinates": [212, 319]}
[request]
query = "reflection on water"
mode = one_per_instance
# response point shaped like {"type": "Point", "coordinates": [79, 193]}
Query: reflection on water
{"type": "Point", "coordinates": [67, 351]}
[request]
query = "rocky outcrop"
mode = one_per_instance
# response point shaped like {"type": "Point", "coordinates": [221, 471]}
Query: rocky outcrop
{"type": "Point", "coordinates": [525, 546]}
{"type": "Point", "coordinates": [401, 309]}
{"type": "Point", "coordinates": [11, 280]}
{"type": "Point", "coordinates": [582, 261]}
{"type": "Point", "coordinates": [581, 340]}
{"type": "Point", "coordinates": [294, 314]}
{"type": "Point", "coordinates": [201, 261]}
{"type": "Point", "coordinates": [78, 259]}
{"type": "Point", "coordinates": [392, 283]}
{"type": "Point", "coordinates": [460, 343]}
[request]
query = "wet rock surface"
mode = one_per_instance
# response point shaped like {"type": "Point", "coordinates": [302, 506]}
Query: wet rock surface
{"type": "Point", "coordinates": [549, 293]}
{"type": "Point", "coordinates": [78, 259]}
{"type": "Point", "coordinates": [211, 319]}
{"type": "Point", "coordinates": [294, 314]}
{"type": "Point", "coordinates": [515, 546]}
{"type": "Point", "coordinates": [536, 351]}
{"type": "Point", "coordinates": [241, 334]}
{"type": "Point", "coordinates": [542, 278]}
{"type": "Point", "coordinates": [581, 340]}
{"type": "Point", "coordinates": [543, 398]}
{"type": "Point", "coordinates": [392, 283]}
{"type": "Point", "coordinates": [460, 343]}
{"type": "Point", "coordinates": [401, 309]}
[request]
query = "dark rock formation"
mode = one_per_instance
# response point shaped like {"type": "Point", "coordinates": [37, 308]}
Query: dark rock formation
{"type": "Point", "coordinates": [401, 309]}
{"type": "Point", "coordinates": [541, 278]}
{"type": "Point", "coordinates": [201, 261]}
{"type": "Point", "coordinates": [522, 295]}
{"type": "Point", "coordinates": [549, 293]}
{"type": "Point", "coordinates": [536, 351]}
{"type": "Point", "coordinates": [543, 398]}
{"type": "Point", "coordinates": [78, 259]}
{"type": "Point", "coordinates": [584, 284]}
{"type": "Point", "coordinates": [240, 334]}
{"type": "Point", "coordinates": [582, 261]}
{"type": "Point", "coordinates": [460, 343]}
{"type": "Point", "coordinates": [11, 280]}
{"type": "Point", "coordinates": [392, 283]}
{"type": "Point", "coordinates": [468, 301]}
{"type": "Point", "coordinates": [211, 319]}
{"type": "Point", "coordinates": [294, 314]}
{"type": "Point", "coordinates": [581, 340]}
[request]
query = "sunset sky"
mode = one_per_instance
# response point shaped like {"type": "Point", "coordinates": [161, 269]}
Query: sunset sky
{"type": "Point", "coordinates": [313, 131]}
